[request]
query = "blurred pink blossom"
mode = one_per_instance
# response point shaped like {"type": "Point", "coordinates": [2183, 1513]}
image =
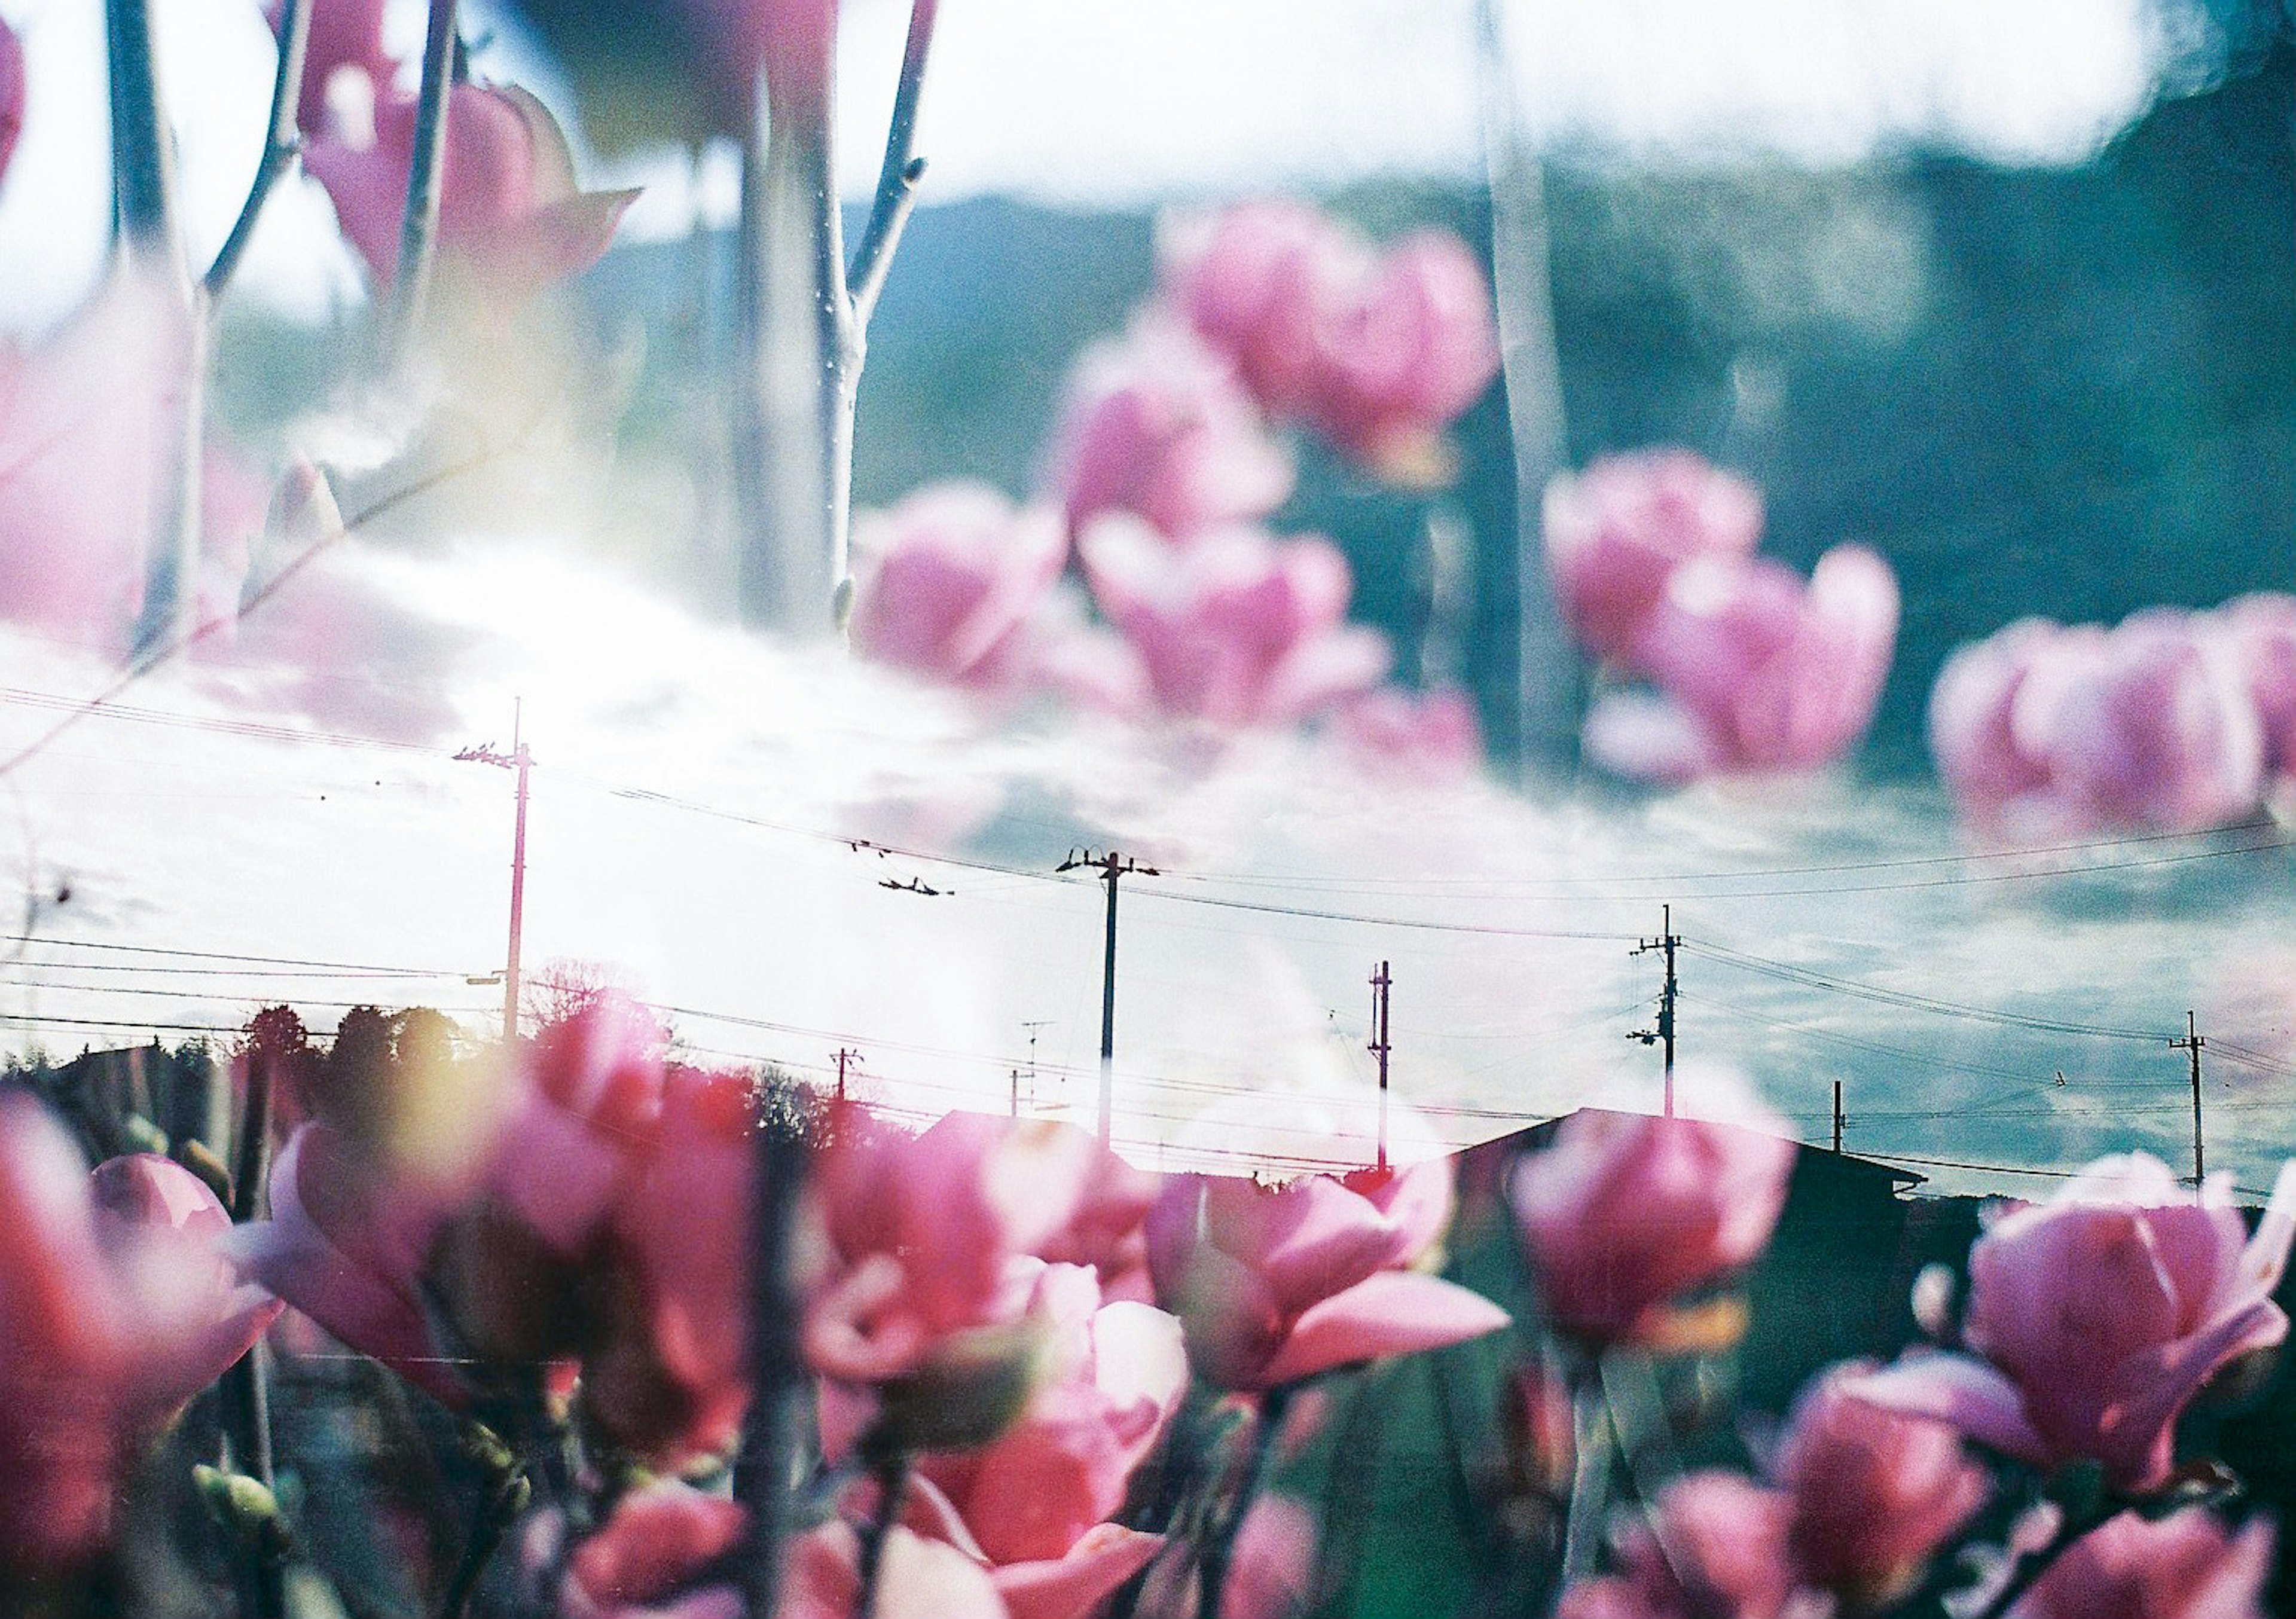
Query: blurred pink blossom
{"type": "Point", "coordinates": [1418, 347]}
{"type": "Point", "coordinates": [1616, 531]}
{"type": "Point", "coordinates": [949, 580]}
{"type": "Point", "coordinates": [671, 1378]}
{"type": "Point", "coordinates": [586, 1206]}
{"type": "Point", "coordinates": [1263, 281]}
{"type": "Point", "coordinates": [918, 1231]}
{"type": "Point", "coordinates": [1874, 1492]}
{"type": "Point", "coordinates": [1115, 1375]}
{"type": "Point", "coordinates": [1717, 1550]}
{"type": "Point", "coordinates": [511, 216]}
{"type": "Point", "coordinates": [346, 1249]}
{"type": "Point", "coordinates": [2262, 632]}
{"type": "Point", "coordinates": [1429, 739]}
{"type": "Point", "coordinates": [2187, 1566]}
{"type": "Point", "coordinates": [1379, 353]}
{"type": "Point", "coordinates": [642, 1563]}
{"type": "Point", "coordinates": [12, 95]}
{"type": "Point", "coordinates": [1157, 424]}
{"type": "Point", "coordinates": [1236, 628]}
{"type": "Point", "coordinates": [1276, 1283]}
{"type": "Point", "coordinates": [1626, 1213]}
{"type": "Point", "coordinates": [2043, 731]}
{"type": "Point", "coordinates": [1272, 1569]}
{"type": "Point", "coordinates": [2094, 1318]}
{"type": "Point", "coordinates": [101, 392]}
{"type": "Point", "coordinates": [116, 1307]}
{"type": "Point", "coordinates": [1755, 671]}
{"type": "Point", "coordinates": [1108, 1230]}
{"type": "Point", "coordinates": [344, 34]}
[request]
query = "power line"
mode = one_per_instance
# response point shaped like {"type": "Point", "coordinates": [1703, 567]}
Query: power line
{"type": "Point", "coordinates": [1811, 978]}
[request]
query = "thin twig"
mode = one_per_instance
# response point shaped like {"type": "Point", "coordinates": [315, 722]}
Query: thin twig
{"type": "Point", "coordinates": [891, 1472]}
{"type": "Point", "coordinates": [280, 145]}
{"type": "Point", "coordinates": [896, 176]}
{"type": "Point", "coordinates": [418, 229]}
{"type": "Point", "coordinates": [2031, 1566]}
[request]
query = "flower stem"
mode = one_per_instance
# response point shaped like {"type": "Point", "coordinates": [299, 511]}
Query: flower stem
{"type": "Point", "coordinates": [144, 177]}
{"type": "Point", "coordinates": [2031, 1566]}
{"type": "Point", "coordinates": [248, 1385]}
{"type": "Point", "coordinates": [778, 1384]}
{"type": "Point", "coordinates": [891, 1472]}
{"type": "Point", "coordinates": [1590, 1480]}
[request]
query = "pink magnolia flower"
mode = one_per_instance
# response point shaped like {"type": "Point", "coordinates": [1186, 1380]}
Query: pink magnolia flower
{"type": "Point", "coordinates": [1625, 1214]}
{"type": "Point", "coordinates": [1235, 628]}
{"type": "Point", "coordinates": [12, 95]}
{"type": "Point", "coordinates": [116, 1307]}
{"type": "Point", "coordinates": [2042, 731]}
{"type": "Point", "coordinates": [950, 581]}
{"type": "Point", "coordinates": [1616, 531]}
{"type": "Point", "coordinates": [586, 1206]}
{"type": "Point", "coordinates": [1718, 1551]}
{"type": "Point", "coordinates": [1276, 1283]}
{"type": "Point", "coordinates": [2187, 1566]}
{"type": "Point", "coordinates": [1429, 739]}
{"type": "Point", "coordinates": [2094, 1318]}
{"type": "Point", "coordinates": [344, 34]}
{"type": "Point", "coordinates": [1874, 1492]}
{"type": "Point", "coordinates": [1754, 670]}
{"type": "Point", "coordinates": [1157, 424]}
{"type": "Point", "coordinates": [1419, 346]}
{"type": "Point", "coordinates": [511, 216]}
{"type": "Point", "coordinates": [917, 1232]}
{"type": "Point", "coordinates": [1262, 281]}
{"type": "Point", "coordinates": [1379, 354]}
{"type": "Point", "coordinates": [2262, 631]}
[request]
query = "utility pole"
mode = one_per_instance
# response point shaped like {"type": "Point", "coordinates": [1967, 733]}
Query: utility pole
{"type": "Point", "coordinates": [1663, 1035]}
{"type": "Point", "coordinates": [2192, 1042]}
{"type": "Point", "coordinates": [517, 759]}
{"type": "Point", "coordinates": [1837, 1116]}
{"type": "Point", "coordinates": [844, 1056]}
{"type": "Point", "coordinates": [1380, 981]}
{"type": "Point", "coordinates": [1032, 1026]}
{"type": "Point", "coordinates": [1113, 868]}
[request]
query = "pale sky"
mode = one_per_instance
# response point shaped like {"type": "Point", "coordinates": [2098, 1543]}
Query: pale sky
{"type": "Point", "coordinates": [1090, 103]}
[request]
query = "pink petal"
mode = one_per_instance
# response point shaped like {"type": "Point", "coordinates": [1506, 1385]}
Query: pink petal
{"type": "Point", "coordinates": [1074, 1585]}
{"type": "Point", "coordinates": [1392, 1312]}
{"type": "Point", "coordinates": [1967, 1394]}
